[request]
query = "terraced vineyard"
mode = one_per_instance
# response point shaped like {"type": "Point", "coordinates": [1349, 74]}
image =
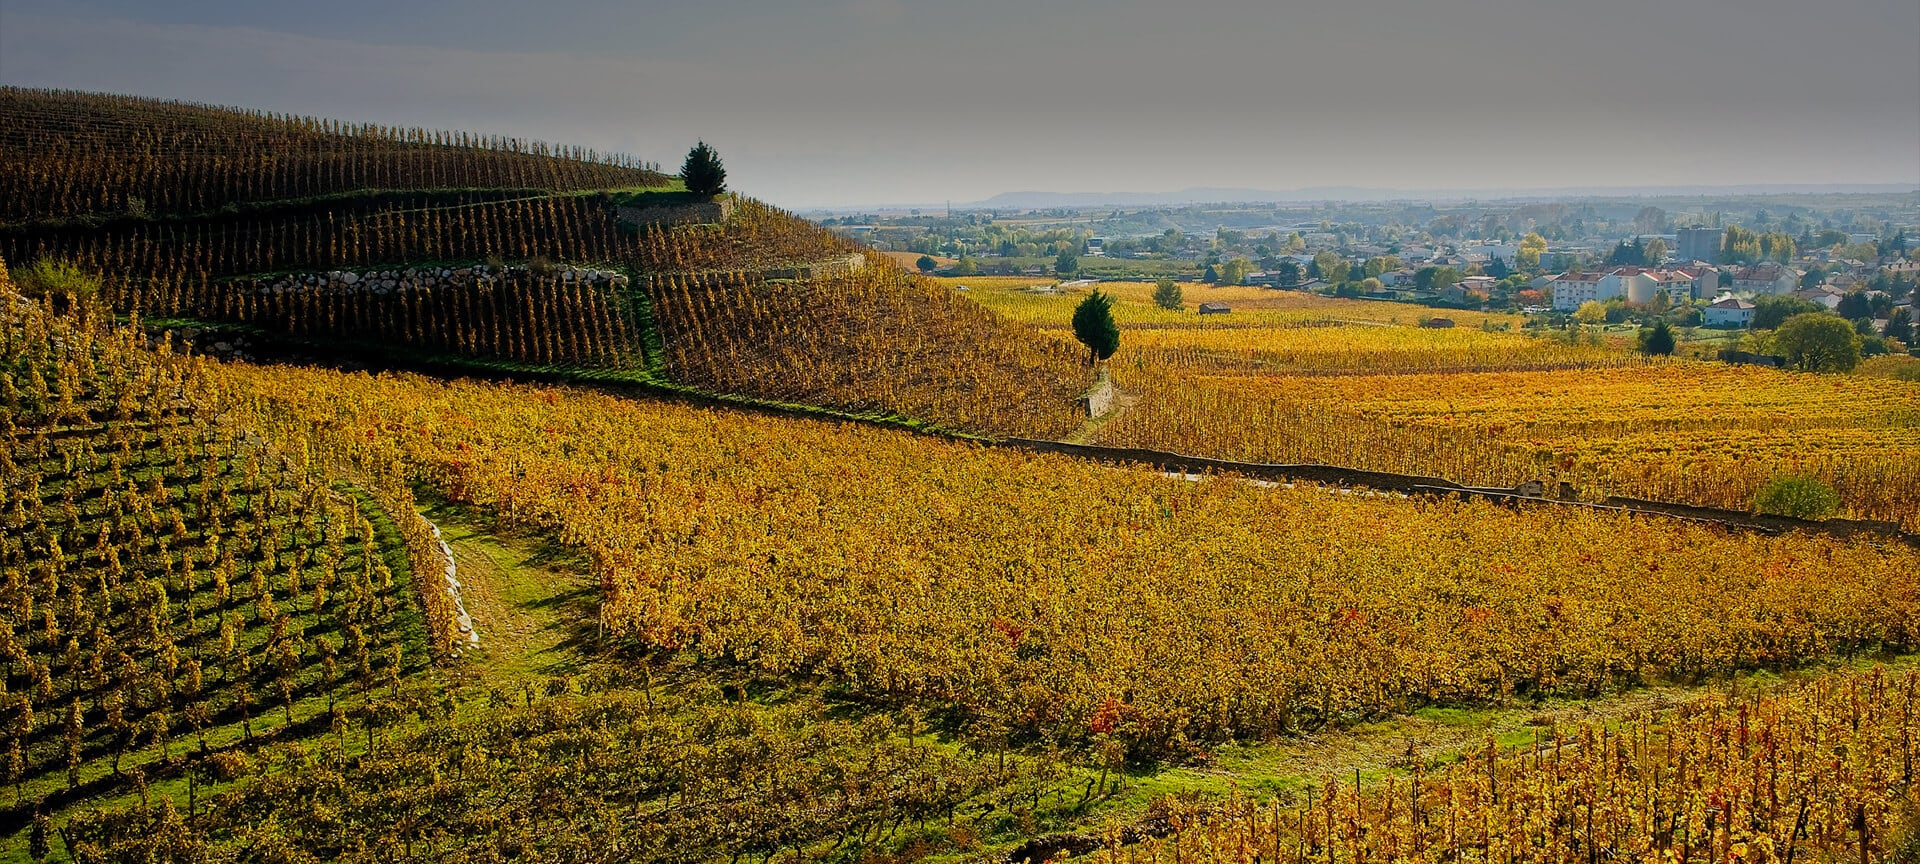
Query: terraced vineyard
{"type": "Point", "coordinates": [736, 604]}
{"type": "Point", "coordinates": [78, 156]}
{"type": "Point", "coordinates": [458, 251]}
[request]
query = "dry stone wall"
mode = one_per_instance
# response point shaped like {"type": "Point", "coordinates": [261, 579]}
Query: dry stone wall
{"type": "Point", "coordinates": [691, 213]}
{"type": "Point", "coordinates": [382, 283]}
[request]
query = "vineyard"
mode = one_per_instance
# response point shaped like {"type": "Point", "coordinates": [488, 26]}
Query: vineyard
{"type": "Point", "coordinates": [439, 248]}
{"type": "Point", "coordinates": [747, 622]}
{"type": "Point", "coordinates": [1297, 379]}
{"type": "Point", "coordinates": [1032, 591]}
{"type": "Point", "coordinates": [97, 155]}
{"type": "Point", "coordinates": [1824, 769]}
{"type": "Point", "coordinates": [570, 317]}
{"type": "Point", "coordinates": [172, 586]}
{"type": "Point", "coordinates": [1690, 433]}
{"type": "Point", "coordinates": [1357, 350]}
{"type": "Point", "coordinates": [153, 262]}
{"type": "Point", "coordinates": [606, 776]}
{"type": "Point", "coordinates": [195, 612]}
{"type": "Point", "coordinates": [1034, 301]}
{"type": "Point", "coordinates": [874, 340]}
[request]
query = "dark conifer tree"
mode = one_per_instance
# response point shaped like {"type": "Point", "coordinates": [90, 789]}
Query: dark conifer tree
{"type": "Point", "coordinates": [703, 172]}
{"type": "Point", "coordinates": [1093, 326]}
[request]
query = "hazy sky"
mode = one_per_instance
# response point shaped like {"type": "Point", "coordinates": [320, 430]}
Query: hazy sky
{"type": "Point", "coordinates": [844, 102]}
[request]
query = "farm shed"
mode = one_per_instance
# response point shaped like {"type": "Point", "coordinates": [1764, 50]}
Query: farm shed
{"type": "Point", "coordinates": [1214, 309]}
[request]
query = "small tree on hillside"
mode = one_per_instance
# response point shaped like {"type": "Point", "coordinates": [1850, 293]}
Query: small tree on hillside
{"type": "Point", "coordinates": [1066, 263]}
{"type": "Point", "coordinates": [926, 264]}
{"type": "Point", "coordinates": [1658, 340]}
{"type": "Point", "coordinates": [703, 172]}
{"type": "Point", "coordinates": [1093, 326]}
{"type": "Point", "coordinates": [1166, 294]}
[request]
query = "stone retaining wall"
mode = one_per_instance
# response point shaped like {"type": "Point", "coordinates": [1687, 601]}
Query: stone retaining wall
{"type": "Point", "coordinates": [1099, 400]}
{"type": "Point", "coordinates": [844, 264]}
{"type": "Point", "coordinates": [691, 213]}
{"type": "Point", "coordinates": [405, 279]}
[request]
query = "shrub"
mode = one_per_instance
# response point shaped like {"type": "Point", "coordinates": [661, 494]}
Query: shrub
{"type": "Point", "coordinates": [1166, 294]}
{"type": "Point", "coordinates": [1818, 342]}
{"type": "Point", "coordinates": [60, 280]}
{"type": "Point", "coordinates": [1796, 496]}
{"type": "Point", "coordinates": [1657, 339]}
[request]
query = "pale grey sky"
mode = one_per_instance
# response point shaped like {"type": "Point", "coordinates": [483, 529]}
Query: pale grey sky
{"type": "Point", "coordinates": [851, 102]}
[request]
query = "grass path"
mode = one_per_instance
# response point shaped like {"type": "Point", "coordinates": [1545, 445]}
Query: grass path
{"type": "Point", "coordinates": [531, 600]}
{"type": "Point", "coordinates": [1429, 736]}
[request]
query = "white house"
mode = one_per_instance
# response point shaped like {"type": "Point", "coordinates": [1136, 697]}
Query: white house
{"type": "Point", "coordinates": [1731, 312]}
{"type": "Point", "coordinates": [1636, 284]}
{"type": "Point", "coordinates": [1706, 280]}
{"type": "Point", "coordinates": [1572, 288]}
{"type": "Point", "coordinates": [1647, 284]}
{"type": "Point", "coordinates": [1502, 251]}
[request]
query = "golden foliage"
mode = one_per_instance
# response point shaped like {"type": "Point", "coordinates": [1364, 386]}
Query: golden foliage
{"type": "Point", "coordinates": [1821, 771]}
{"type": "Point", "coordinates": [1034, 589]}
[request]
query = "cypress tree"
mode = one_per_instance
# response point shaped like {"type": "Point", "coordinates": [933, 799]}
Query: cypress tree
{"type": "Point", "coordinates": [1093, 326]}
{"type": "Point", "coordinates": [703, 172]}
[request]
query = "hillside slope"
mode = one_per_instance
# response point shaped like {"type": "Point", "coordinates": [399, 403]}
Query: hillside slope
{"type": "Point", "coordinates": [817, 640]}
{"type": "Point", "coordinates": [412, 247]}
{"type": "Point", "coordinates": [92, 156]}
{"type": "Point", "coordinates": [172, 587]}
